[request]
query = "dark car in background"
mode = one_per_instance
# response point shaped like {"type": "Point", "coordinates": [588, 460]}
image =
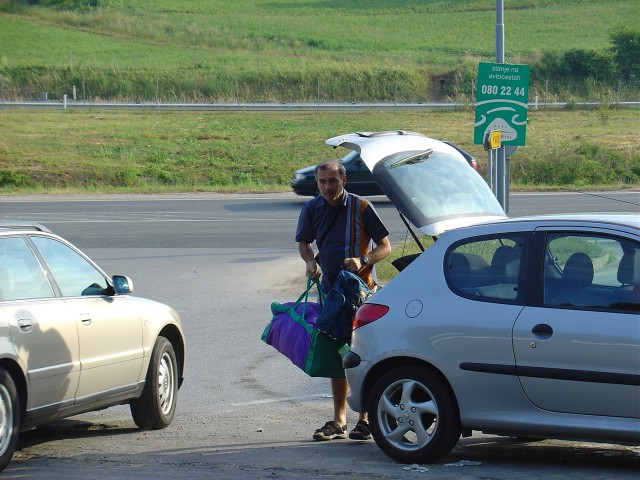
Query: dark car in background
{"type": "Point", "coordinates": [359, 177]}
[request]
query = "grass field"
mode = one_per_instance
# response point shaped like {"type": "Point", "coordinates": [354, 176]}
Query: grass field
{"type": "Point", "coordinates": [284, 51]}
{"type": "Point", "coordinates": [107, 151]}
{"type": "Point", "coordinates": [277, 50]}
{"type": "Point", "coordinates": [422, 32]}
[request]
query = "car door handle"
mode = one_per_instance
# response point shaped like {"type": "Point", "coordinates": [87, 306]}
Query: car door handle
{"type": "Point", "coordinates": [542, 331]}
{"type": "Point", "coordinates": [86, 321]}
{"type": "Point", "coordinates": [25, 324]}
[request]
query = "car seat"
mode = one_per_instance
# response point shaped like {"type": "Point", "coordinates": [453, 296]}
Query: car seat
{"type": "Point", "coordinates": [505, 268]}
{"type": "Point", "coordinates": [505, 264]}
{"type": "Point", "coordinates": [628, 294]}
{"type": "Point", "coordinates": [459, 270]}
{"type": "Point", "coordinates": [577, 277]}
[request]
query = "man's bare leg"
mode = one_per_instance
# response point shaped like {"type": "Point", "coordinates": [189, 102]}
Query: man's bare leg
{"type": "Point", "coordinates": [339, 390]}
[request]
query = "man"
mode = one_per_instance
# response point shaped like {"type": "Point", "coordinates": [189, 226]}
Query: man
{"type": "Point", "coordinates": [344, 227]}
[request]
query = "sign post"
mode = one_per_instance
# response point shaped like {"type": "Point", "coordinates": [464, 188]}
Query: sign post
{"type": "Point", "coordinates": [501, 104]}
{"type": "Point", "coordinates": [492, 143]}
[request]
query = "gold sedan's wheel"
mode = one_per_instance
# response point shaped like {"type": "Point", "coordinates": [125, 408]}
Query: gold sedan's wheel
{"type": "Point", "coordinates": [154, 409]}
{"type": "Point", "coordinates": [9, 418]}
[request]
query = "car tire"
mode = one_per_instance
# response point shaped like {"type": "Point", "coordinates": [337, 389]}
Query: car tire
{"type": "Point", "coordinates": [154, 409]}
{"type": "Point", "coordinates": [413, 415]}
{"type": "Point", "coordinates": [9, 418]}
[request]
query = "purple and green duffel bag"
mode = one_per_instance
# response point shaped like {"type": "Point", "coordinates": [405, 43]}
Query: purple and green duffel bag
{"type": "Point", "coordinates": [292, 332]}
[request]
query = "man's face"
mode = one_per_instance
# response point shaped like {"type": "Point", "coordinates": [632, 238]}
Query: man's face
{"type": "Point", "coordinates": [330, 184]}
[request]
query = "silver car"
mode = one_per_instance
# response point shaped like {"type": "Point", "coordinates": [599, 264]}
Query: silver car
{"type": "Point", "coordinates": [525, 327]}
{"type": "Point", "coordinates": [73, 340]}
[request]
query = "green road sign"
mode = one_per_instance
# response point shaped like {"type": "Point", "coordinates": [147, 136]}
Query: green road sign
{"type": "Point", "coordinates": [501, 102]}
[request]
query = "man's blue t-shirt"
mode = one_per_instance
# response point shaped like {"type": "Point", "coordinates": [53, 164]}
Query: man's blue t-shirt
{"type": "Point", "coordinates": [344, 231]}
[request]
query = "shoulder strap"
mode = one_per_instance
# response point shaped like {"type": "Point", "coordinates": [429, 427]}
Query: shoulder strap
{"type": "Point", "coordinates": [331, 224]}
{"type": "Point", "coordinates": [354, 218]}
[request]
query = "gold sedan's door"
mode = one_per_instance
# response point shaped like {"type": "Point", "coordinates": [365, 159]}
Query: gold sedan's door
{"type": "Point", "coordinates": [42, 331]}
{"type": "Point", "coordinates": [109, 331]}
{"type": "Point", "coordinates": [111, 351]}
{"type": "Point", "coordinates": [45, 337]}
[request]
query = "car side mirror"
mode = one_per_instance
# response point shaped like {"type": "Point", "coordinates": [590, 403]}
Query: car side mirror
{"type": "Point", "coordinates": [122, 285]}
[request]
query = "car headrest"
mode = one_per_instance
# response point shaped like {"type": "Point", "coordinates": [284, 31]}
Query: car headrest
{"type": "Point", "coordinates": [505, 261]}
{"type": "Point", "coordinates": [629, 268]}
{"type": "Point", "coordinates": [578, 271]}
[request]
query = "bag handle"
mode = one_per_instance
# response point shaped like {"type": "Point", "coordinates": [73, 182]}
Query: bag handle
{"type": "Point", "coordinates": [291, 309]}
{"type": "Point", "coordinates": [305, 295]}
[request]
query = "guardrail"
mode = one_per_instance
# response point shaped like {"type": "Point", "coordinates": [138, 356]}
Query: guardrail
{"type": "Point", "coordinates": [74, 104]}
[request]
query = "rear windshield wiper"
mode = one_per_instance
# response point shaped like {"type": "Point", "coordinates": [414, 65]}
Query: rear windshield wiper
{"type": "Point", "coordinates": [419, 158]}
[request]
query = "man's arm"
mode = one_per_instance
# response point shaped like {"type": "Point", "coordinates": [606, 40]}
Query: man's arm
{"type": "Point", "coordinates": [382, 251]}
{"type": "Point", "coordinates": [306, 253]}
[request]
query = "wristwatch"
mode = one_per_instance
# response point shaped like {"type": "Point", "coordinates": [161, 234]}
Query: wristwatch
{"type": "Point", "coordinates": [364, 261]}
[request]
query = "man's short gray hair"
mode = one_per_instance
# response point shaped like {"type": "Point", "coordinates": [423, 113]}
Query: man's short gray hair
{"type": "Point", "coordinates": [330, 165]}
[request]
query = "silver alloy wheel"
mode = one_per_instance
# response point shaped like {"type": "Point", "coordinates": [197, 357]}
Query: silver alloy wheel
{"type": "Point", "coordinates": [166, 383]}
{"type": "Point", "coordinates": [6, 419]}
{"type": "Point", "coordinates": [407, 415]}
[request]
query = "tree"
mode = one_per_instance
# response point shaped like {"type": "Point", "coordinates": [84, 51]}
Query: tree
{"type": "Point", "coordinates": [590, 64]}
{"type": "Point", "coordinates": [626, 52]}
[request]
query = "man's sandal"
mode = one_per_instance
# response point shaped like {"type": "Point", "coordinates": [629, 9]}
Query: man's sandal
{"type": "Point", "coordinates": [360, 431]}
{"type": "Point", "coordinates": [330, 431]}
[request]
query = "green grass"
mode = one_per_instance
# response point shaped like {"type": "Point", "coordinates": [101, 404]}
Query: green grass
{"type": "Point", "coordinates": [279, 50]}
{"type": "Point", "coordinates": [385, 271]}
{"type": "Point", "coordinates": [123, 151]}
{"type": "Point", "coordinates": [422, 32]}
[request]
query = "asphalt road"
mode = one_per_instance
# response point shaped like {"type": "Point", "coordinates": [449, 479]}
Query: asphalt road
{"type": "Point", "coordinates": [244, 411]}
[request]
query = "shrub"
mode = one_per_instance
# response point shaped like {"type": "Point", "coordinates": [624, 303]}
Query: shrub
{"type": "Point", "coordinates": [12, 178]}
{"type": "Point", "coordinates": [626, 52]}
{"type": "Point", "coordinates": [68, 4]}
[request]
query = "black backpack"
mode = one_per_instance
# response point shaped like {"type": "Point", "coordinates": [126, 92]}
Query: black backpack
{"type": "Point", "coordinates": [340, 305]}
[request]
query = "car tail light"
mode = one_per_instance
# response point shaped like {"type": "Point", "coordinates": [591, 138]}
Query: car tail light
{"type": "Point", "coordinates": [474, 164]}
{"type": "Point", "coordinates": [369, 312]}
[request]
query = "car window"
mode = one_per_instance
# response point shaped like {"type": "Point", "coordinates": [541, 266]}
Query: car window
{"type": "Point", "coordinates": [438, 187]}
{"type": "Point", "coordinates": [591, 271]}
{"type": "Point", "coordinates": [487, 268]}
{"type": "Point", "coordinates": [74, 275]}
{"type": "Point", "coordinates": [21, 276]}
